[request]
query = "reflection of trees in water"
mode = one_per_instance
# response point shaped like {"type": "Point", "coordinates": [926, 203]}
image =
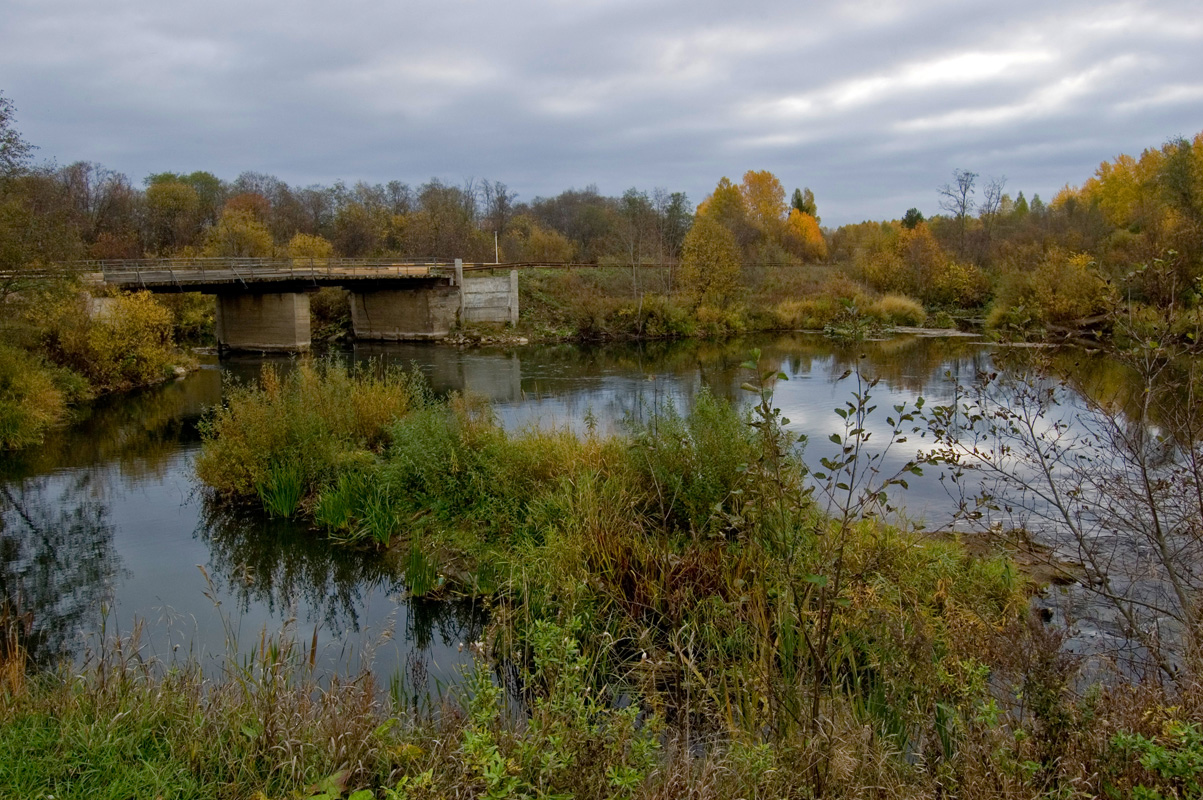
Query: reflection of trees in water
{"type": "Point", "coordinates": [277, 563]}
{"type": "Point", "coordinates": [454, 620]}
{"type": "Point", "coordinates": [1167, 397]}
{"type": "Point", "coordinates": [57, 561]}
{"type": "Point", "coordinates": [140, 432]}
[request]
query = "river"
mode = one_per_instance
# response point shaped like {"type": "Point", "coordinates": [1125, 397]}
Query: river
{"type": "Point", "coordinates": [104, 529]}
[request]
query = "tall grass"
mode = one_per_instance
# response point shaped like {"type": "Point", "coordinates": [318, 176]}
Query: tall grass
{"type": "Point", "coordinates": [321, 418]}
{"type": "Point", "coordinates": [123, 725]}
{"type": "Point", "coordinates": [282, 490]}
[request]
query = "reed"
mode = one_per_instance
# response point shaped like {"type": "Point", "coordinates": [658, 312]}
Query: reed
{"type": "Point", "coordinates": [282, 490]}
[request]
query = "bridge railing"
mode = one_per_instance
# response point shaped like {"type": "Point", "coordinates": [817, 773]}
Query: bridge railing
{"type": "Point", "coordinates": [202, 269]}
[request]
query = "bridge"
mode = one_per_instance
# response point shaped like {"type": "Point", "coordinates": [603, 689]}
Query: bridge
{"type": "Point", "coordinates": [263, 303]}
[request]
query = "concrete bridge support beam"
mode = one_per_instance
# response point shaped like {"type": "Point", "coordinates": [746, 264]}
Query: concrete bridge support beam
{"type": "Point", "coordinates": [267, 321]}
{"type": "Point", "coordinates": [491, 299]}
{"type": "Point", "coordinates": [426, 312]}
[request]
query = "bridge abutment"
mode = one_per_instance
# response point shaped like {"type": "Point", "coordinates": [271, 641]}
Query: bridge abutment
{"type": "Point", "coordinates": [267, 321]}
{"type": "Point", "coordinates": [387, 314]}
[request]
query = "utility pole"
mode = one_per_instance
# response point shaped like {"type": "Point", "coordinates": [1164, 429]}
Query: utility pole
{"type": "Point", "coordinates": [496, 252]}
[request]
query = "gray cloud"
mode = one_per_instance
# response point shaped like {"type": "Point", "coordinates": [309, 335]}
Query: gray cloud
{"type": "Point", "coordinates": [871, 104]}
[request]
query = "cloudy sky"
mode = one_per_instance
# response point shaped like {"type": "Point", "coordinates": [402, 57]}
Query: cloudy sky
{"type": "Point", "coordinates": [871, 104]}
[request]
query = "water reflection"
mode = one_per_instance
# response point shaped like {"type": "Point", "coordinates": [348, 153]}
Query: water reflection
{"type": "Point", "coordinates": [355, 600]}
{"type": "Point", "coordinates": [280, 565]}
{"type": "Point", "coordinates": [107, 513]}
{"type": "Point", "coordinates": [138, 433]}
{"type": "Point", "coordinates": [57, 562]}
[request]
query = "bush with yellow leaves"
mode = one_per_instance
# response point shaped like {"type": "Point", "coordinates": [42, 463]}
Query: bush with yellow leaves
{"type": "Point", "coordinates": [124, 343]}
{"type": "Point", "coordinates": [1062, 289]}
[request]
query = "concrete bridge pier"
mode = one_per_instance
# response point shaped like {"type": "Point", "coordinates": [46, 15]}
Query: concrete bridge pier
{"type": "Point", "coordinates": [386, 313]}
{"type": "Point", "coordinates": [266, 321]}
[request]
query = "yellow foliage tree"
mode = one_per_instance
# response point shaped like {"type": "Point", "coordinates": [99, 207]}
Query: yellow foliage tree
{"type": "Point", "coordinates": [803, 237]}
{"type": "Point", "coordinates": [764, 198]}
{"type": "Point", "coordinates": [238, 234]}
{"type": "Point", "coordinates": [725, 203]}
{"type": "Point", "coordinates": [306, 248]}
{"type": "Point", "coordinates": [1063, 288]}
{"type": "Point", "coordinates": [126, 343]}
{"type": "Point", "coordinates": [911, 261]}
{"type": "Point", "coordinates": [526, 240]}
{"type": "Point", "coordinates": [710, 263]}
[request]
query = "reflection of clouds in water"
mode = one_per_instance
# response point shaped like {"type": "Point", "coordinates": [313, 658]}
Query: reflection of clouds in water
{"type": "Point", "coordinates": [614, 388]}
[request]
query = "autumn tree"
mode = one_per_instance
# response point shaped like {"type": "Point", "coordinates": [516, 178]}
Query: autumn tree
{"type": "Point", "coordinates": [764, 198]}
{"type": "Point", "coordinates": [727, 206]}
{"type": "Point", "coordinates": [305, 248]}
{"type": "Point", "coordinates": [36, 230]}
{"type": "Point", "coordinates": [583, 216]}
{"type": "Point", "coordinates": [992, 198]}
{"type": "Point", "coordinates": [444, 226]}
{"type": "Point", "coordinates": [360, 229]}
{"type": "Point", "coordinates": [528, 240]}
{"type": "Point", "coordinates": [498, 203]}
{"type": "Point", "coordinates": [252, 204]}
{"type": "Point", "coordinates": [673, 218]}
{"type": "Point", "coordinates": [102, 203]}
{"type": "Point", "coordinates": [173, 218]}
{"type": "Point", "coordinates": [635, 232]}
{"type": "Point", "coordinates": [710, 262]}
{"type": "Point", "coordinates": [239, 234]}
{"type": "Point", "coordinates": [211, 192]}
{"type": "Point", "coordinates": [957, 199]}
{"type": "Point", "coordinates": [803, 238]}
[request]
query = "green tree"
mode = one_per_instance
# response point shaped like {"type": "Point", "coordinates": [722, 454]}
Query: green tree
{"type": "Point", "coordinates": [804, 201]}
{"type": "Point", "coordinates": [912, 218]}
{"type": "Point", "coordinates": [1020, 209]}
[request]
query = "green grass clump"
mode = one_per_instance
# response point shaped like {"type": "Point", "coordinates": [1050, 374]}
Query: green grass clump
{"type": "Point", "coordinates": [282, 490]}
{"type": "Point", "coordinates": [319, 420]}
{"type": "Point", "coordinates": [695, 463]}
{"type": "Point", "coordinates": [128, 727]}
{"type": "Point", "coordinates": [30, 402]}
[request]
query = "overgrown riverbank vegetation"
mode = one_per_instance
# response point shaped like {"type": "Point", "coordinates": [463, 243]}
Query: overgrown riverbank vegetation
{"type": "Point", "coordinates": [684, 609]}
{"type": "Point", "coordinates": [777, 636]}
